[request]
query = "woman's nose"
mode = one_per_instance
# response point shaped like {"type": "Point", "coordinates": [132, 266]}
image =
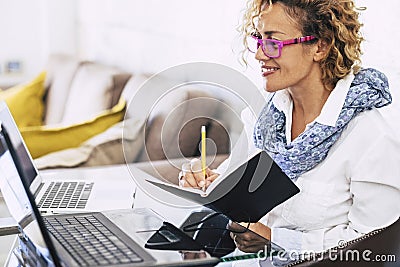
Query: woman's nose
{"type": "Point", "coordinates": [260, 55]}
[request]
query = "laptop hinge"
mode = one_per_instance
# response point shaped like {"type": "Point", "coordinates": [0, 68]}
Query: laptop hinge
{"type": "Point", "coordinates": [38, 190]}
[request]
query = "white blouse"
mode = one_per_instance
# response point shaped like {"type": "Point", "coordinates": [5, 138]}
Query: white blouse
{"type": "Point", "coordinates": [354, 190]}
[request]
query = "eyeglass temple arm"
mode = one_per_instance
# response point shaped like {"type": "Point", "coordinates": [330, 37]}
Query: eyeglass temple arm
{"type": "Point", "coordinates": [299, 40]}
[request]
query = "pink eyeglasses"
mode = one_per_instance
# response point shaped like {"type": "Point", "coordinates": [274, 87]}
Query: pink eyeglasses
{"type": "Point", "coordinates": [273, 48]}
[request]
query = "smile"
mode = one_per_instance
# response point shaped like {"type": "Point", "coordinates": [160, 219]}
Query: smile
{"type": "Point", "coordinates": [268, 70]}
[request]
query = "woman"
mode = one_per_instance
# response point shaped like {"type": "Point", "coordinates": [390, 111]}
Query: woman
{"type": "Point", "coordinates": [322, 126]}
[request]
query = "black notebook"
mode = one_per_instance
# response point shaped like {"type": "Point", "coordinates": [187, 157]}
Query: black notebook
{"type": "Point", "coordinates": [246, 193]}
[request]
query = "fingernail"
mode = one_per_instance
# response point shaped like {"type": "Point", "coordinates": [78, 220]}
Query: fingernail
{"type": "Point", "coordinates": [201, 183]}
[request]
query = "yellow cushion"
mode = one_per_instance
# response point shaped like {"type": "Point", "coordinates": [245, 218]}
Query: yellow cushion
{"type": "Point", "coordinates": [26, 101]}
{"type": "Point", "coordinates": [42, 140]}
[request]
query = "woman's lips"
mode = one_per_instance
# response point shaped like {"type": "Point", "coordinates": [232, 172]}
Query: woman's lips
{"type": "Point", "coordinates": [268, 70]}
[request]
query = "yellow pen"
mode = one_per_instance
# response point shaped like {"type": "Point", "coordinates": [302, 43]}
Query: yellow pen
{"type": "Point", "coordinates": [203, 149]}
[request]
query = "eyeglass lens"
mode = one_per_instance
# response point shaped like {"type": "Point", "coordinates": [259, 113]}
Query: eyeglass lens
{"type": "Point", "coordinates": [270, 48]}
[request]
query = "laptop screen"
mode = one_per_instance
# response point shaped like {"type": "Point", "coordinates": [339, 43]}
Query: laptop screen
{"type": "Point", "coordinates": [11, 187]}
{"type": "Point", "coordinates": [27, 166]}
{"type": "Point", "coordinates": [19, 199]}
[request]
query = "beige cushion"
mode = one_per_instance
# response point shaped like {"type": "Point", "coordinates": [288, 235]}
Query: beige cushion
{"type": "Point", "coordinates": [152, 149]}
{"type": "Point", "coordinates": [60, 69]}
{"type": "Point", "coordinates": [188, 139]}
{"type": "Point", "coordinates": [119, 82]}
{"type": "Point", "coordinates": [93, 90]}
{"type": "Point", "coordinates": [175, 131]}
{"type": "Point", "coordinates": [154, 127]}
{"type": "Point", "coordinates": [133, 85]}
{"type": "Point", "coordinates": [117, 145]}
{"type": "Point", "coordinates": [220, 136]}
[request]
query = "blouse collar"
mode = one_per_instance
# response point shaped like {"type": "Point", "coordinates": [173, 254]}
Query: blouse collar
{"type": "Point", "coordinates": [331, 109]}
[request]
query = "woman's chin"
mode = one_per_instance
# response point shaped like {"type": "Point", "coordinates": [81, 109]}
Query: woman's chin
{"type": "Point", "coordinates": [265, 86]}
{"type": "Point", "coordinates": [270, 88]}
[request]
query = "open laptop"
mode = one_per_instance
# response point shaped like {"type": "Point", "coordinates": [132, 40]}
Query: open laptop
{"type": "Point", "coordinates": [58, 193]}
{"type": "Point", "coordinates": [81, 239]}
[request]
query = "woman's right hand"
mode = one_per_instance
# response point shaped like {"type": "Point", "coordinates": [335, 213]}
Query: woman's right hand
{"type": "Point", "coordinates": [192, 176]}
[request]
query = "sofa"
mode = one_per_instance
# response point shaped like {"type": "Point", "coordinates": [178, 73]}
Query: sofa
{"type": "Point", "coordinates": [77, 93]}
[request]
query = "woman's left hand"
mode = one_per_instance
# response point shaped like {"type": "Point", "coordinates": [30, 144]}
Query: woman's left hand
{"type": "Point", "coordinates": [249, 241]}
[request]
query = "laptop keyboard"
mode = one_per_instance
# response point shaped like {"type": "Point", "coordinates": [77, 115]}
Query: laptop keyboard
{"type": "Point", "coordinates": [66, 195]}
{"type": "Point", "coordinates": [89, 242]}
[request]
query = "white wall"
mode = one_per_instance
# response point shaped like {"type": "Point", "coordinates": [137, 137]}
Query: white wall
{"type": "Point", "coordinates": [22, 36]}
{"type": "Point", "coordinates": [381, 47]}
{"type": "Point", "coordinates": [151, 35]}
{"type": "Point", "coordinates": [139, 35]}
{"type": "Point", "coordinates": [32, 29]}
{"type": "Point", "coordinates": [61, 25]}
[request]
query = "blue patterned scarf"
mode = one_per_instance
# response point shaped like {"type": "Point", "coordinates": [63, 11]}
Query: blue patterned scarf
{"type": "Point", "coordinates": [368, 90]}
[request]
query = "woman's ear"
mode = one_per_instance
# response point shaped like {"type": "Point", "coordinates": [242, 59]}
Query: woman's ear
{"type": "Point", "coordinates": [322, 51]}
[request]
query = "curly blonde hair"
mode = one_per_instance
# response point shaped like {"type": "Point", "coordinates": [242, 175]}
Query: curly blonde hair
{"type": "Point", "coordinates": [333, 21]}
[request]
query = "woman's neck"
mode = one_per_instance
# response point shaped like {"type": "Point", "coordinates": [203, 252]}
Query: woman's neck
{"type": "Point", "coordinates": [308, 102]}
